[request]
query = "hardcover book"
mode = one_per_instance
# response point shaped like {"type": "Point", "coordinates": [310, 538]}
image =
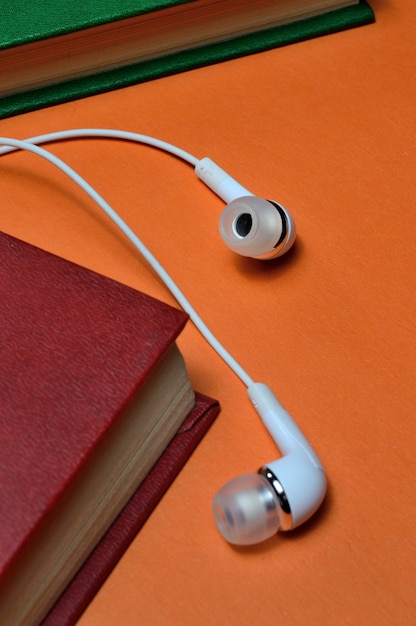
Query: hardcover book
{"type": "Point", "coordinates": [93, 389]}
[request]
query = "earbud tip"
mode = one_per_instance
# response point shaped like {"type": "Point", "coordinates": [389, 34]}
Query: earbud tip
{"type": "Point", "coordinates": [257, 228]}
{"type": "Point", "coordinates": [246, 510]}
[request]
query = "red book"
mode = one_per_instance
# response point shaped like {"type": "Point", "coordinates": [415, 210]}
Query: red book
{"type": "Point", "coordinates": [93, 391]}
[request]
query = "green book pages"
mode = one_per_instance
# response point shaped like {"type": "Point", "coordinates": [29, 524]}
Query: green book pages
{"type": "Point", "coordinates": [331, 22]}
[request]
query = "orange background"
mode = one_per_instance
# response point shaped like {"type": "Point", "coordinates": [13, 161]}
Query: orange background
{"type": "Point", "coordinates": [327, 128]}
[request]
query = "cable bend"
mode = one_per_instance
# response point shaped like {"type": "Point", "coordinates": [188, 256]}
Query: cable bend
{"type": "Point", "coordinates": [11, 144]}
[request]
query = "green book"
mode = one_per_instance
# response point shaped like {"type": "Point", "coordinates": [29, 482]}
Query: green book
{"type": "Point", "coordinates": [53, 51]}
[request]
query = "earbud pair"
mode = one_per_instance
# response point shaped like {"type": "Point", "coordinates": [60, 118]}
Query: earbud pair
{"type": "Point", "coordinates": [250, 226]}
{"type": "Point", "coordinates": [287, 492]}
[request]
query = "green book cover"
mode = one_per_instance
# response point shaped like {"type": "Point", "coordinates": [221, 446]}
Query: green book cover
{"type": "Point", "coordinates": [15, 31]}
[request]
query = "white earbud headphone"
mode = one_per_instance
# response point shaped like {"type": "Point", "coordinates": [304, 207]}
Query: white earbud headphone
{"type": "Point", "coordinates": [249, 226]}
{"type": "Point", "coordinates": [285, 493]}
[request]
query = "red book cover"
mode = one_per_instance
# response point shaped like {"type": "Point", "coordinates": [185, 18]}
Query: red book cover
{"type": "Point", "coordinates": [101, 340]}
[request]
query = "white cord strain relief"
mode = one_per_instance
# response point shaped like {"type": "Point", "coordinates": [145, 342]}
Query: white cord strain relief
{"type": "Point", "coordinates": [219, 181]}
{"type": "Point", "coordinates": [280, 424]}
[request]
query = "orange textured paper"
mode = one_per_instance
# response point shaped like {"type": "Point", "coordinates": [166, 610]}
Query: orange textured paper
{"type": "Point", "coordinates": [326, 127]}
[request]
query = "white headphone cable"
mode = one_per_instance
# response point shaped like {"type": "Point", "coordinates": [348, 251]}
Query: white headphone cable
{"type": "Point", "coordinates": [11, 144]}
{"type": "Point", "coordinates": [110, 134]}
{"type": "Point", "coordinates": [285, 492]}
